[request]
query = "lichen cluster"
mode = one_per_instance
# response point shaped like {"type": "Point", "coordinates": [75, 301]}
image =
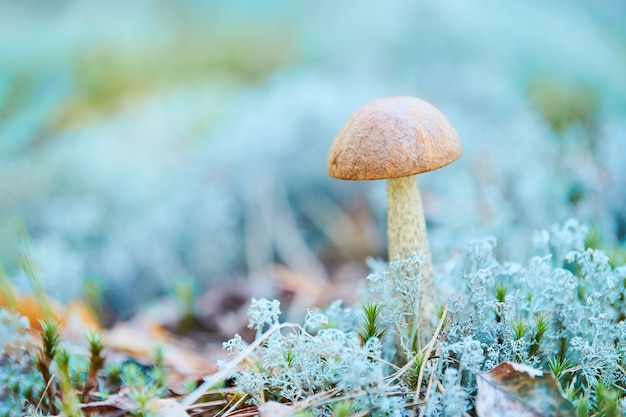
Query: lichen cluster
{"type": "Point", "coordinates": [562, 310]}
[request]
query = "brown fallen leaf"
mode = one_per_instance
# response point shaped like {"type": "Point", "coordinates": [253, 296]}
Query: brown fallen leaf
{"type": "Point", "coordinates": [167, 407]}
{"type": "Point", "coordinates": [275, 409]}
{"type": "Point", "coordinates": [139, 340]}
{"type": "Point", "coordinates": [116, 405]}
{"type": "Point", "coordinates": [73, 318]}
{"type": "Point", "coordinates": [311, 290]}
{"type": "Point", "coordinates": [121, 404]}
{"type": "Point", "coordinates": [515, 390]}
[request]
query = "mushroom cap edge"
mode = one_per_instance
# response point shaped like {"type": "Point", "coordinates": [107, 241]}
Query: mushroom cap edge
{"type": "Point", "coordinates": [393, 137]}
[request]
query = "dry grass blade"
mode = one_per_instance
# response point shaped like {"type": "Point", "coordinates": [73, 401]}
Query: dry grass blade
{"type": "Point", "coordinates": [206, 405]}
{"type": "Point", "coordinates": [288, 238]}
{"type": "Point", "coordinates": [6, 290]}
{"type": "Point", "coordinates": [45, 392]}
{"type": "Point", "coordinates": [361, 413]}
{"type": "Point", "coordinates": [232, 410]}
{"type": "Point", "coordinates": [246, 412]}
{"type": "Point", "coordinates": [429, 386]}
{"type": "Point", "coordinates": [30, 269]}
{"type": "Point", "coordinates": [201, 408]}
{"type": "Point", "coordinates": [427, 351]}
{"type": "Point", "coordinates": [259, 225]}
{"type": "Point", "coordinates": [318, 398]}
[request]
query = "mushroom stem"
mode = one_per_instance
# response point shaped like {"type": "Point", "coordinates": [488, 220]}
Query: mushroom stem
{"type": "Point", "coordinates": [406, 227]}
{"type": "Point", "coordinates": [406, 233]}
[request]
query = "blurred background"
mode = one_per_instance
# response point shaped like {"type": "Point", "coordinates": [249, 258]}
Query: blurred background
{"type": "Point", "coordinates": [178, 149]}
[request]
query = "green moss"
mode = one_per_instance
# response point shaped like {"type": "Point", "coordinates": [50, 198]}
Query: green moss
{"type": "Point", "coordinates": [107, 76]}
{"type": "Point", "coordinates": [372, 326]}
{"type": "Point", "coordinates": [616, 253]}
{"type": "Point", "coordinates": [563, 105]}
{"type": "Point", "coordinates": [20, 88]}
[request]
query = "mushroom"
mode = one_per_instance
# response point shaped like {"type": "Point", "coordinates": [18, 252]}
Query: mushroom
{"type": "Point", "coordinates": [395, 138]}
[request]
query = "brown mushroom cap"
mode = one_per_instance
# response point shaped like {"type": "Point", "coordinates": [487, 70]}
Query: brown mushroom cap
{"type": "Point", "coordinates": [393, 137]}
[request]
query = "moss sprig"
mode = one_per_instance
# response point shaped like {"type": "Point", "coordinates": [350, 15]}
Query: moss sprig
{"type": "Point", "coordinates": [372, 325]}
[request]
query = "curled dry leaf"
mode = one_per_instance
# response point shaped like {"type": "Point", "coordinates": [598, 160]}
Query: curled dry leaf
{"type": "Point", "coordinates": [275, 409]}
{"type": "Point", "coordinates": [140, 340]}
{"type": "Point", "coordinates": [166, 407]}
{"type": "Point", "coordinates": [114, 406]}
{"type": "Point", "coordinates": [75, 316]}
{"type": "Point", "coordinates": [514, 390]}
{"type": "Point", "coordinates": [122, 404]}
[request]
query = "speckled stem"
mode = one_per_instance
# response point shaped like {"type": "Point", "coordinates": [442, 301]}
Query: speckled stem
{"type": "Point", "coordinates": [406, 233]}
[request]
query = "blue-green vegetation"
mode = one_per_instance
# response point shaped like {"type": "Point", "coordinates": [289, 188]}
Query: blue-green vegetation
{"type": "Point", "coordinates": [549, 317]}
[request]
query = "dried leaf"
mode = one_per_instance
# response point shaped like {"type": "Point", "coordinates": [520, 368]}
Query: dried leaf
{"type": "Point", "coordinates": [312, 290]}
{"type": "Point", "coordinates": [139, 339]}
{"type": "Point", "coordinates": [75, 316]}
{"type": "Point", "coordinates": [166, 407]}
{"type": "Point", "coordinates": [514, 390]}
{"type": "Point", "coordinates": [116, 405]}
{"type": "Point", "coordinates": [274, 409]}
{"type": "Point", "coordinates": [28, 306]}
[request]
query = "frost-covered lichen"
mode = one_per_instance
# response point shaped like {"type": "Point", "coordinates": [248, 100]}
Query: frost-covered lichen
{"type": "Point", "coordinates": [20, 384]}
{"type": "Point", "coordinates": [563, 309]}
